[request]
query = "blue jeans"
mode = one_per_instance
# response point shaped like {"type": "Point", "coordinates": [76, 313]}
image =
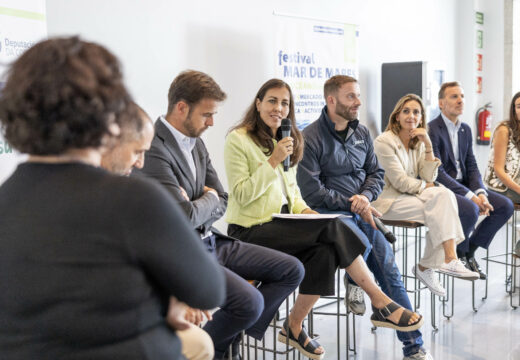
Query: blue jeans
{"type": "Point", "coordinates": [381, 261]}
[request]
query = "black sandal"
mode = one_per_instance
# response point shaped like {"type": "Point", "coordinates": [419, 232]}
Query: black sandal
{"type": "Point", "coordinates": [307, 350]}
{"type": "Point", "coordinates": [379, 318]}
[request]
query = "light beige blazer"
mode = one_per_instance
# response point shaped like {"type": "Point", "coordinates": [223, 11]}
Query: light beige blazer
{"type": "Point", "coordinates": [393, 158]}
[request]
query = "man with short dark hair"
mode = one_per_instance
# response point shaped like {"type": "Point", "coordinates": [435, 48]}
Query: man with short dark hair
{"type": "Point", "coordinates": [339, 173]}
{"type": "Point", "coordinates": [453, 145]}
{"type": "Point", "coordinates": [179, 159]}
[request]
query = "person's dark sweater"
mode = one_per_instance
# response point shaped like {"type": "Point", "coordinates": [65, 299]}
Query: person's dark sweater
{"type": "Point", "coordinates": [88, 261]}
{"type": "Point", "coordinates": [334, 168]}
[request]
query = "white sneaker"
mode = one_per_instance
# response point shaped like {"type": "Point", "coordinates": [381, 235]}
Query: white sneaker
{"type": "Point", "coordinates": [420, 355]}
{"type": "Point", "coordinates": [429, 278]}
{"type": "Point", "coordinates": [355, 302]}
{"type": "Point", "coordinates": [456, 268]}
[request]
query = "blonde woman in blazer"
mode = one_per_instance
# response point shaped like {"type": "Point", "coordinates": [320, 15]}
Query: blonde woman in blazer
{"type": "Point", "coordinates": [258, 187]}
{"type": "Point", "coordinates": [405, 152]}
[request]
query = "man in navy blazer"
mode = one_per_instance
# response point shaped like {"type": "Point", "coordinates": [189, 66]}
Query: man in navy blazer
{"type": "Point", "coordinates": [453, 145]}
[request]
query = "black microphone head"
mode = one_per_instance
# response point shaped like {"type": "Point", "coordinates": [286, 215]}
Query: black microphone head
{"type": "Point", "coordinates": [286, 125]}
{"type": "Point", "coordinates": [390, 237]}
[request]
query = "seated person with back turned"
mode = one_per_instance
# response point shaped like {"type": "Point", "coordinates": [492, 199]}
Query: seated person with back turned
{"type": "Point", "coordinates": [80, 278]}
{"type": "Point", "coordinates": [120, 158]}
{"type": "Point", "coordinates": [503, 170]}
{"type": "Point", "coordinates": [404, 150]}
{"type": "Point", "coordinates": [179, 160]}
{"type": "Point", "coordinates": [339, 173]}
{"type": "Point", "coordinates": [254, 152]}
{"type": "Point", "coordinates": [453, 145]}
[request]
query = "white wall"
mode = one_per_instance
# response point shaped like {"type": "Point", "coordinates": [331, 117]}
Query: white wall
{"type": "Point", "coordinates": [493, 63]}
{"type": "Point", "coordinates": [233, 42]}
{"type": "Point", "coordinates": [17, 32]}
{"type": "Point", "coordinates": [516, 46]}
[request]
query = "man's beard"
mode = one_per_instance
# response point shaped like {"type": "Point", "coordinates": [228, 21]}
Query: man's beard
{"type": "Point", "coordinates": [344, 112]}
{"type": "Point", "coordinates": [190, 129]}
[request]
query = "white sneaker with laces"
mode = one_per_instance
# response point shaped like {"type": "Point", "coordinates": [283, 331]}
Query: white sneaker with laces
{"type": "Point", "coordinates": [420, 355]}
{"type": "Point", "coordinates": [355, 301]}
{"type": "Point", "coordinates": [456, 268]}
{"type": "Point", "coordinates": [429, 278]}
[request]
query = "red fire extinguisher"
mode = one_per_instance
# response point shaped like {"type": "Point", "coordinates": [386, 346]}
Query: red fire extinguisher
{"type": "Point", "coordinates": [484, 118]}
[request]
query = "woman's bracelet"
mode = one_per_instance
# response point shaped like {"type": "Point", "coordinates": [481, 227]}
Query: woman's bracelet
{"type": "Point", "coordinates": [429, 151]}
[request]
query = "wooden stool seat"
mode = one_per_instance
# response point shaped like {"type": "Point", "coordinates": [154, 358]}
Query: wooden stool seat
{"type": "Point", "coordinates": [402, 223]}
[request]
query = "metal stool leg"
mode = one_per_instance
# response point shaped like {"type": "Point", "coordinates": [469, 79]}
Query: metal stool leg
{"type": "Point", "coordinates": [473, 296]}
{"type": "Point", "coordinates": [487, 272]}
{"type": "Point", "coordinates": [432, 311]}
{"type": "Point", "coordinates": [513, 281]}
{"type": "Point", "coordinates": [418, 253]}
{"type": "Point", "coordinates": [350, 340]}
{"type": "Point", "coordinates": [509, 271]}
{"type": "Point", "coordinates": [338, 276]}
{"type": "Point", "coordinates": [260, 348]}
{"type": "Point", "coordinates": [450, 297]}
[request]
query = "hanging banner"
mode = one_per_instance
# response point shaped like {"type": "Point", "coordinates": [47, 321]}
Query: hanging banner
{"type": "Point", "coordinates": [307, 53]}
{"type": "Point", "coordinates": [22, 24]}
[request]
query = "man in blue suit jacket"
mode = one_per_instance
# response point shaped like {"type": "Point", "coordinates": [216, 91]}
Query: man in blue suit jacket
{"type": "Point", "coordinates": [453, 145]}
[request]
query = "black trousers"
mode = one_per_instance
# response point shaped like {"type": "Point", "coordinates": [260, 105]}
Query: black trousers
{"type": "Point", "coordinates": [321, 245]}
{"type": "Point", "coordinates": [246, 307]}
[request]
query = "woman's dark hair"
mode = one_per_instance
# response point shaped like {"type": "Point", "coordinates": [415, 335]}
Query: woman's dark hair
{"type": "Point", "coordinates": [261, 133]}
{"type": "Point", "coordinates": [514, 122]}
{"type": "Point", "coordinates": [62, 93]}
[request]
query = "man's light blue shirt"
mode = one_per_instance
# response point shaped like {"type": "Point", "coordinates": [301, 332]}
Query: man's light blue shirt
{"type": "Point", "coordinates": [186, 144]}
{"type": "Point", "coordinates": [453, 131]}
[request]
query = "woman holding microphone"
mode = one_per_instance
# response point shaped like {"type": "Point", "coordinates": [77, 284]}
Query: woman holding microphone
{"type": "Point", "coordinates": [254, 152]}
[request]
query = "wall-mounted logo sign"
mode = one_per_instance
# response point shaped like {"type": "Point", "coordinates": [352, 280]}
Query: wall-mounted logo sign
{"type": "Point", "coordinates": [479, 17]}
{"type": "Point", "coordinates": [480, 39]}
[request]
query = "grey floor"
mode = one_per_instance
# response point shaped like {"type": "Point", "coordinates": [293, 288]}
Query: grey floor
{"type": "Point", "coordinates": [492, 332]}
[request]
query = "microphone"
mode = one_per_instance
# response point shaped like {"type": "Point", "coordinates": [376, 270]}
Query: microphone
{"type": "Point", "coordinates": [387, 233]}
{"type": "Point", "coordinates": [286, 131]}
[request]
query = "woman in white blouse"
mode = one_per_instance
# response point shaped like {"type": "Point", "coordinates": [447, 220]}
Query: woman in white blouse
{"type": "Point", "coordinates": [404, 150]}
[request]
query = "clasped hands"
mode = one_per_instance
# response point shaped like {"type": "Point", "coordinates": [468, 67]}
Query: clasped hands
{"type": "Point", "coordinates": [483, 204]}
{"type": "Point", "coordinates": [180, 316]}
